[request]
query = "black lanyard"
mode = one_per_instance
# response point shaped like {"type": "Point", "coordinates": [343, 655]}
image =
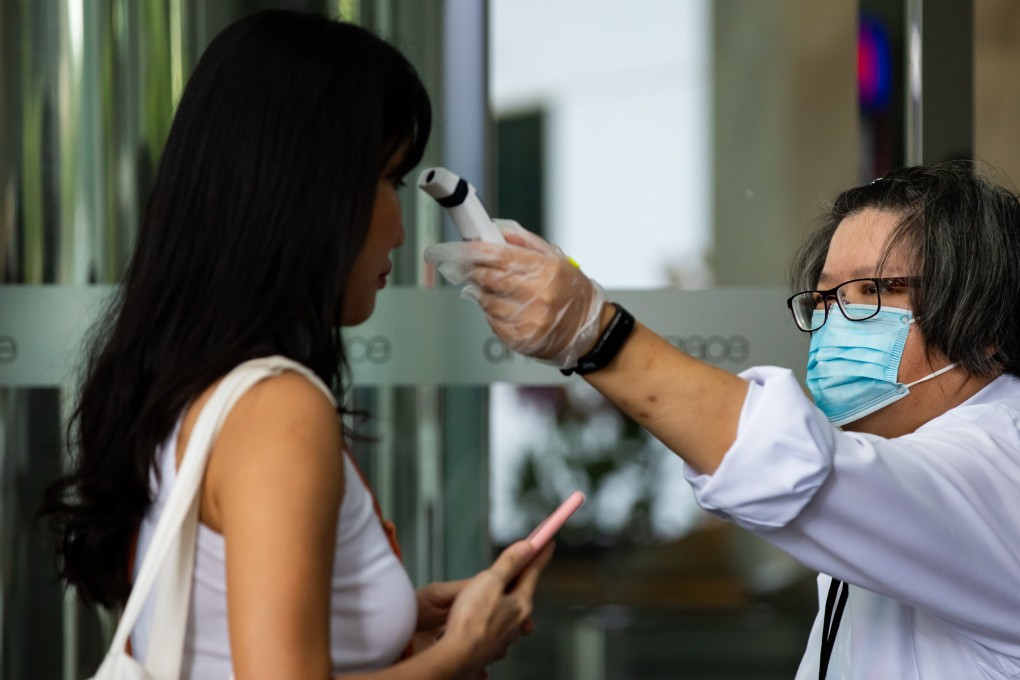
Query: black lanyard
{"type": "Point", "coordinates": [830, 624]}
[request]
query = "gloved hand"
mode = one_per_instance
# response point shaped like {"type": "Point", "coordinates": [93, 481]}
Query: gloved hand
{"type": "Point", "coordinates": [536, 300]}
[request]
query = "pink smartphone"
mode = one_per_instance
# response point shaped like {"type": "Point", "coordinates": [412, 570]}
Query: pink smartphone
{"type": "Point", "coordinates": [551, 524]}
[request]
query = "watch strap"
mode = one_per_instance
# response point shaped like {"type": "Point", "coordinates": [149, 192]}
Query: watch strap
{"type": "Point", "coordinates": [607, 346]}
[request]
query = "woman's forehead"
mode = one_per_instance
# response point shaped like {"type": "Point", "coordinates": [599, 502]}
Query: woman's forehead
{"type": "Point", "coordinates": [857, 246]}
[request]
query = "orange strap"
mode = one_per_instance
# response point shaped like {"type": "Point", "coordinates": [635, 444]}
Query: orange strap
{"type": "Point", "coordinates": [130, 574]}
{"type": "Point", "coordinates": [390, 529]}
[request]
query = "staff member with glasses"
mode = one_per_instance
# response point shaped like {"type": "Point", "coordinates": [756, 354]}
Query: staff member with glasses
{"type": "Point", "coordinates": [900, 483]}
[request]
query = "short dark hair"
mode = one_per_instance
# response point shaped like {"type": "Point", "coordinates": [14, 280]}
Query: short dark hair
{"type": "Point", "coordinates": [260, 206]}
{"type": "Point", "coordinates": [962, 233]}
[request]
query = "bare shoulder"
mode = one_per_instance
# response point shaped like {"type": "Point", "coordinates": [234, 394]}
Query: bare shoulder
{"type": "Point", "coordinates": [282, 438]}
{"type": "Point", "coordinates": [287, 400]}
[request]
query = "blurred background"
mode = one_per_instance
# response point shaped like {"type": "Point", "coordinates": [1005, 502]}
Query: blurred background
{"type": "Point", "coordinates": [665, 144]}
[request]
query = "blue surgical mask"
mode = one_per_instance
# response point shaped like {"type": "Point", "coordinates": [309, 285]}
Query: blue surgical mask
{"type": "Point", "coordinates": [853, 365]}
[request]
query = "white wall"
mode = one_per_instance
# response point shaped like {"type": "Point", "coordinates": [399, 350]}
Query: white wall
{"type": "Point", "coordinates": [626, 90]}
{"type": "Point", "coordinates": [625, 87]}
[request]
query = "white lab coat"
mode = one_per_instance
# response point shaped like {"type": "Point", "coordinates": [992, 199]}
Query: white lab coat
{"type": "Point", "coordinates": [925, 527]}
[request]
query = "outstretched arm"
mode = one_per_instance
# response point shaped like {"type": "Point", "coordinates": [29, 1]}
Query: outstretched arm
{"type": "Point", "coordinates": [692, 407]}
{"type": "Point", "coordinates": [542, 305]}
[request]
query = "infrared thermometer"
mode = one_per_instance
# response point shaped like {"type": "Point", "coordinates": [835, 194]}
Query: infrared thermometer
{"type": "Point", "coordinates": [462, 204]}
{"type": "Point", "coordinates": [551, 524]}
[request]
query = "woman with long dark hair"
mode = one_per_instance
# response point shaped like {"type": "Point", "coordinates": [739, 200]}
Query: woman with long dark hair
{"type": "Point", "coordinates": [270, 223]}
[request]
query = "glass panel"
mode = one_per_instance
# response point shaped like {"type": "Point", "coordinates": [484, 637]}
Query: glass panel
{"type": "Point", "coordinates": [682, 145]}
{"type": "Point", "coordinates": [94, 86]}
{"type": "Point", "coordinates": [996, 99]}
{"type": "Point", "coordinates": [84, 109]}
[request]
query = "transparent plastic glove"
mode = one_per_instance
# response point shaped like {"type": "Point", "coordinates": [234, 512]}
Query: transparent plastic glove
{"type": "Point", "coordinates": [535, 299]}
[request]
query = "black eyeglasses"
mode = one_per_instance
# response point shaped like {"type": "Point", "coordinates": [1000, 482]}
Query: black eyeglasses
{"type": "Point", "coordinates": [857, 299]}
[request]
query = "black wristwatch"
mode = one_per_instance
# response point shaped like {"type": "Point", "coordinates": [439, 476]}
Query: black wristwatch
{"type": "Point", "coordinates": [607, 346]}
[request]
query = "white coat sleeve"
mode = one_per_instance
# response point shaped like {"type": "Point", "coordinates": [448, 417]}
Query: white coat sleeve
{"type": "Point", "coordinates": [929, 519]}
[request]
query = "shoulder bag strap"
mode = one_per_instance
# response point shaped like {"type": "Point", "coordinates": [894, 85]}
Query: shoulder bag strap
{"type": "Point", "coordinates": [172, 548]}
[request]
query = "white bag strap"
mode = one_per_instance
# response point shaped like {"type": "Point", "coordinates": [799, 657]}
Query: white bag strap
{"type": "Point", "coordinates": [173, 542]}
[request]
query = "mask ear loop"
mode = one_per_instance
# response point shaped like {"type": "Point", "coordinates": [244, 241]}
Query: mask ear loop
{"type": "Point", "coordinates": [932, 375]}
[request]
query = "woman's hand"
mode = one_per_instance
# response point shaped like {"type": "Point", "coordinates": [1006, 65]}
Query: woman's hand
{"type": "Point", "coordinates": [434, 602]}
{"type": "Point", "coordinates": [536, 300]}
{"type": "Point", "coordinates": [493, 609]}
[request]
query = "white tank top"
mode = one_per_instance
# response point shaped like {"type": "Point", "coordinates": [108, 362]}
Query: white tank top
{"type": "Point", "coordinates": [373, 606]}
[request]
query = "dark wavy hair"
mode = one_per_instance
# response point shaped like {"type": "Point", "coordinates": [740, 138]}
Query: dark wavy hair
{"type": "Point", "coordinates": [962, 234]}
{"type": "Point", "coordinates": [261, 204]}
